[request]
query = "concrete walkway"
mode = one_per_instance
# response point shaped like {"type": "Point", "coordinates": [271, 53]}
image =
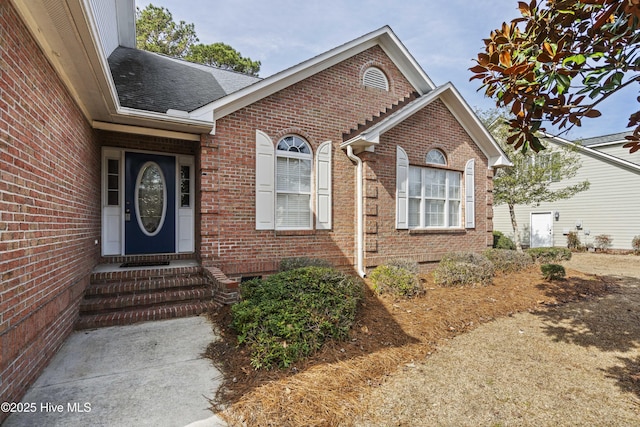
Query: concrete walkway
{"type": "Point", "coordinates": [149, 373]}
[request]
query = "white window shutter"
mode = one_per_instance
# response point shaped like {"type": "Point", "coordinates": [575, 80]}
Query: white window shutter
{"type": "Point", "coordinates": [402, 189]}
{"type": "Point", "coordinates": [265, 182]}
{"type": "Point", "coordinates": [470, 198]}
{"type": "Point", "coordinates": [323, 186]}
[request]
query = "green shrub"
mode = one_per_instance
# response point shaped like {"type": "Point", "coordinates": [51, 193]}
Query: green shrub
{"type": "Point", "coordinates": [289, 315]}
{"type": "Point", "coordinates": [463, 268]}
{"type": "Point", "coordinates": [500, 241]}
{"type": "Point", "coordinates": [603, 242]}
{"type": "Point", "coordinates": [407, 264]}
{"type": "Point", "coordinates": [299, 262]}
{"type": "Point", "coordinates": [508, 261]}
{"type": "Point", "coordinates": [547, 255]}
{"type": "Point", "coordinates": [398, 277]}
{"type": "Point", "coordinates": [552, 271]}
{"type": "Point", "coordinates": [573, 241]}
{"type": "Point", "coordinates": [635, 244]}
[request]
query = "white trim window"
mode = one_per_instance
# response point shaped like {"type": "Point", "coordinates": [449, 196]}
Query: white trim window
{"type": "Point", "coordinates": [285, 184]}
{"type": "Point", "coordinates": [434, 198]}
{"type": "Point", "coordinates": [428, 197]}
{"type": "Point", "coordinates": [293, 184]}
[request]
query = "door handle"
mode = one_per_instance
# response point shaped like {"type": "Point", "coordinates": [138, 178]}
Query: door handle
{"type": "Point", "coordinates": [127, 214]}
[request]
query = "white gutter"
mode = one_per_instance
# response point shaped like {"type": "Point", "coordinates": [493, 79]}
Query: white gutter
{"type": "Point", "coordinates": [359, 212]}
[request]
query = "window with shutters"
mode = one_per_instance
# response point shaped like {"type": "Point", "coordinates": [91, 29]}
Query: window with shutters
{"type": "Point", "coordinates": [429, 197]}
{"type": "Point", "coordinates": [293, 184]}
{"type": "Point", "coordinates": [434, 198]}
{"type": "Point", "coordinates": [375, 77]}
{"type": "Point", "coordinates": [285, 192]}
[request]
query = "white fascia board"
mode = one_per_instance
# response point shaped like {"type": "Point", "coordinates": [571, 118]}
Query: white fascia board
{"type": "Point", "coordinates": [474, 127]}
{"type": "Point", "coordinates": [407, 64]}
{"type": "Point", "coordinates": [458, 107]}
{"type": "Point", "coordinates": [607, 144]}
{"type": "Point", "coordinates": [383, 37]}
{"type": "Point", "coordinates": [163, 117]}
{"type": "Point", "coordinates": [106, 77]}
{"type": "Point", "coordinates": [599, 155]}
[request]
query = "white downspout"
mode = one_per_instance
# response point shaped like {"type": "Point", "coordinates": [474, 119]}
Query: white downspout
{"type": "Point", "coordinates": [359, 211]}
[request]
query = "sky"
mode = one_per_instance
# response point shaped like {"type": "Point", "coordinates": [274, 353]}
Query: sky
{"type": "Point", "coordinates": [444, 36]}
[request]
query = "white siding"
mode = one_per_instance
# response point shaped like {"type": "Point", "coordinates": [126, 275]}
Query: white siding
{"type": "Point", "coordinates": [620, 152]}
{"type": "Point", "coordinates": [115, 22]}
{"type": "Point", "coordinates": [610, 206]}
{"type": "Point", "coordinates": [105, 13]}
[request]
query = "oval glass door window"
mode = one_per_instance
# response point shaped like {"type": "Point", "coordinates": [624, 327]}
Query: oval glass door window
{"type": "Point", "coordinates": [151, 198]}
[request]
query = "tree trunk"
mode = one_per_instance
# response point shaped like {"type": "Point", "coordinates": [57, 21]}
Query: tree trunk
{"type": "Point", "coordinates": [514, 225]}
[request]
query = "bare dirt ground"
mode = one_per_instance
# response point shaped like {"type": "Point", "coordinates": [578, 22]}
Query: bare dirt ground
{"type": "Point", "coordinates": [522, 351]}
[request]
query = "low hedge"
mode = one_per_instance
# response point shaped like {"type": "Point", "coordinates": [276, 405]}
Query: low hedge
{"type": "Point", "coordinates": [549, 255]}
{"type": "Point", "coordinates": [398, 277]}
{"type": "Point", "coordinates": [508, 261]}
{"type": "Point", "coordinates": [464, 269]}
{"type": "Point", "coordinates": [299, 262]}
{"type": "Point", "coordinates": [289, 315]}
{"type": "Point", "coordinates": [552, 271]}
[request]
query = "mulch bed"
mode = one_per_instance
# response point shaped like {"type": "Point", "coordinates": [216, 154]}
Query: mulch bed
{"type": "Point", "coordinates": [328, 389]}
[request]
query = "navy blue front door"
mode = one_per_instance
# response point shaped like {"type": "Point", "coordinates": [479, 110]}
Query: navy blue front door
{"type": "Point", "coordinates": [150, 197]}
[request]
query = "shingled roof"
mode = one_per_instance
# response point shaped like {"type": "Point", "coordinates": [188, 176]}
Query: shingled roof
{"type": "Point", "coordinates": [605, 139]}
{"type": "Point", "coordinates": [152, 82]}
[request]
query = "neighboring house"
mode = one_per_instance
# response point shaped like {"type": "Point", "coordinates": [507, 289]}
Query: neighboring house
{"type": "Point", "coordinates": [109, 154]}
{"type": "Point", "coordinates": [607, 207]}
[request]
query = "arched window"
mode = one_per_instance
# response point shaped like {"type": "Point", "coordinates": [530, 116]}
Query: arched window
{"type": "Point", "coordinates": [293, 183]}
{"type": "Point", "coordinates": [436, 157]}
{"type": "Point", "coordinates": [375, 77]}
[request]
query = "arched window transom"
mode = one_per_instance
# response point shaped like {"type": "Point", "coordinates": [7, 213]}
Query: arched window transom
{"type": "Point", "coordinates": [436, 157]}
{"type": "Point", "coordinates": [293, 144]}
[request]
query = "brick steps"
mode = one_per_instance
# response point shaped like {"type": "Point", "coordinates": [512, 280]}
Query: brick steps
{"type": "Point", "coordinates": [127, 317]}
{"type": "Point", "coordinates": [140, 286]}
{"type": "Point", "coordinates": [92, 305]}
{"type": "Point", "coordinates": [119, 296]}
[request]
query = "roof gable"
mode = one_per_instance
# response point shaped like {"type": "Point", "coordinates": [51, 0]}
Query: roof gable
{"type": "Point", "coordinates": [596, 154]}
{"type": "Point", "coordinates": [456, 105]}
{"type": "Point", "coordinates": [384, 37]}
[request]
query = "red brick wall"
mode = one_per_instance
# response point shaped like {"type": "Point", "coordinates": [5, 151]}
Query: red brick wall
{"type": "Point", "coordinates": [49, 207]}
{"type": "Point", "coordinates": [432, 127]}
{"type": "Point", "coordinates": [321, 108]}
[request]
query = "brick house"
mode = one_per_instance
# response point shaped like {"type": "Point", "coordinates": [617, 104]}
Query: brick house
{"type": "Point", "coordinates": [110, 154]}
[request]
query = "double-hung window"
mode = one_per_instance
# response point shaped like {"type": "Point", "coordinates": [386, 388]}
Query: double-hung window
{"type": "Point", "coordinates": [293, 184]}
{"type": "Point", "coordinates": [434, 198]}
